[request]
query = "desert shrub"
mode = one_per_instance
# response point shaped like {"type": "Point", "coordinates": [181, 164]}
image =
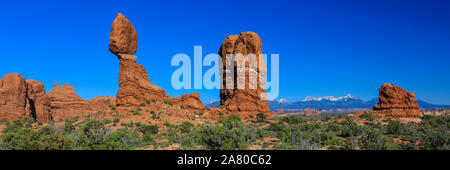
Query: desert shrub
{"type": "Point", "coordinates": [92, 135]}
{"type": "Point", "coordinates": [233, 134]}
{"type": "Point", "coordinates": [350, 143]}
{"type": "Point", "coordinates": [148, 138]}
{"type": "Point", "coordinates": [292, 120]}
{"type": "Point", "coordinates": [326, 118]}
{"type": "Point", "coordinates": [188, 142]}
{"type": "Point", "coordinates": [333, 127]}
{"type": "Point", "coordinates": [351, 129]}
{"type": "Point", "coordinates": [116, 120]}
{"type": "Point", "coordinates": [373, 139]}
{"type": "Point", "coordinates": [429, 121]}
{"type": "Point", "coordinates": [436, 140]}
{"type": "Point", "coordinates": [122, 139]}
{"type": "Point", "coordinates": [69, 127]}
{"type": "Point", "coordinates": [198, 113]}
{"type": "Point", "coordinates": [153, 129]}
{"type": "Point", "coordinates": [396, 128]}
{"type": "Point", "coordinates": [261, 134]}
{"type": "Point", "coordinates": [24, 138]}
{"type": "Point", "coordinates": [232, 121]}
{"type": "Point", "coordinates": [112, 107]}
{"type": "Point", "coordinates": [169, 102]}
{"type": "Point", "coordinates": [261, 117]}
{"type": "Point", "coordinates": [107, 121]}
{"type": "Point", "coordinates": [168, 124]}
{"type": "Point", "coordinates": [367, 116]}
{"type": "Point", "coordinates": [330, 139]}
{"type": "Point", "coordinates": [186, 127]}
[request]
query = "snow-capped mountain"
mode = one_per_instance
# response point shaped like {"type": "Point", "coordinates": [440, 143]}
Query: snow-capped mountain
{"type": "Point", "coordinates": [283, 101]}
{"type": "Point", "coordinates": [330, 98]}
{"type": "Point", "coordinates": [328, 104]}
{"type": "Point", "coordinates": [212, 103]}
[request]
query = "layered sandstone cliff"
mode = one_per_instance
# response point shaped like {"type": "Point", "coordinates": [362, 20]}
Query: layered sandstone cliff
{"type": "Point", "coordinates": [395, 102]}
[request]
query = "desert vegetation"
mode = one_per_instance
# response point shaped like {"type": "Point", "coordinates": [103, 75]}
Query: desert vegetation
{"type": "Point", "coordinates": [328, 132]}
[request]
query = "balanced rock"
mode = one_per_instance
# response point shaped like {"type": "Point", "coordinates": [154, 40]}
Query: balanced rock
{"type": "Point", "coordinates": [395, 102]}
{"type": "Point", "coordinates": [134, 85]}
{"type": "Point", "coordinates": [123, 37]}
{"type": "Point", "coordinates": [245, 99]}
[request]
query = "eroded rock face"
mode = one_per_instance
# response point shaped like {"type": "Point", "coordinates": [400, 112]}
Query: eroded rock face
{"type": "Point", "coordinates": [38, 101]}
{"type": "Point", "coordinates": [13, 97]}
{"type": "Point", "coordinates": [123, 37]}
{"type": "Point", "coordinates": [191, 102]}
{"type": "Point", "coordinates": [245, 99]}
{"type": "Point", "coordinates": [395, 102]}
{"type": "Point", "coordinates": [134, 85]}
{"type": "Point", "coordinates": [65, 103]}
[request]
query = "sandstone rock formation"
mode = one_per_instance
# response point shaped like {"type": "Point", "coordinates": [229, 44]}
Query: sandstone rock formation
{"type": "Point", "coordinates": [20, 98]}
{"type": "Point", "coordinates": [316, 112]}
{"type": "Point", "coordinates": [246, 99]}
{"type": "Point", "coordinates": [65, 103]}
{"type": "Point", "coordinates": [191, 102]}
{"type": "Point", "coordinates": [395, 102]}
{"type": "Point", "coordinates": [38, 101]}
{"type": "Point", "coordinates": [134, 85]}
{"type": "Point", "coordinates": [123, 37]}
{"type": "Point", "coordinates": [13, 97]}
{"type": "Point", "coordinates": [308, 111]}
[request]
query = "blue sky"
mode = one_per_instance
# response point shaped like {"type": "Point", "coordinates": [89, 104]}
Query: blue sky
{"type": "Point", "coordinates": [326, 47]}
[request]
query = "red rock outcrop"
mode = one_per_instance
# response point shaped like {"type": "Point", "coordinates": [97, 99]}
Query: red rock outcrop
{"type": "Point", "coordinates": [20, 98]}
{"type": "Point", "coordinates": [395, 102]}
{"type": "Point", "coordinates": [191, 102]}
{"type": "Point", "coordinates": [316, 112]}
{"type": "Point", "coordinates": [245, 99]}
{"type": "Point", "coordinates": [134, 85]}
{"type": "Point", "coordinates": [13, 97]}
{"type": "Point", "coordinates": [308, 111]}
{"type": "Point", "coordinates": [65, 103]}
{"type": "Point", "coordinates": [38, 101]}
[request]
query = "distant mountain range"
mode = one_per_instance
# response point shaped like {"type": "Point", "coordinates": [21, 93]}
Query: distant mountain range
{"type": "Point", "coordinates": [329, 104]}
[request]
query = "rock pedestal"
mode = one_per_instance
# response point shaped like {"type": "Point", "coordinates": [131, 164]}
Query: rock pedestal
{"type": "Point", "coordinates": [253, 97]}
{"type": "Point", "coordinates": [134, 85]}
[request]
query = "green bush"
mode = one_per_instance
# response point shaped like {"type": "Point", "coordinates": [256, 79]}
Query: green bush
{"type": "Point", "coordinates": [233, 134]}
{"type": "Point", "coordinates": [261, 117]}
{"type": "Point", "coordinates": [293, 120]}
{"type": "Point", "coordinates": [351, 129]}
{"type": "Point", "coordinates": [436, 140]}
{"type": "Point", "coordinates": [153, 129]}
{"type": "Point", "coordinates": [186, 127]}
{"type": "Point", "coordinates": [169, 102]}
{"type": "Point", "coordinates": [374, 140]}
{"type": "Point", "coordinates": [397, 128]}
